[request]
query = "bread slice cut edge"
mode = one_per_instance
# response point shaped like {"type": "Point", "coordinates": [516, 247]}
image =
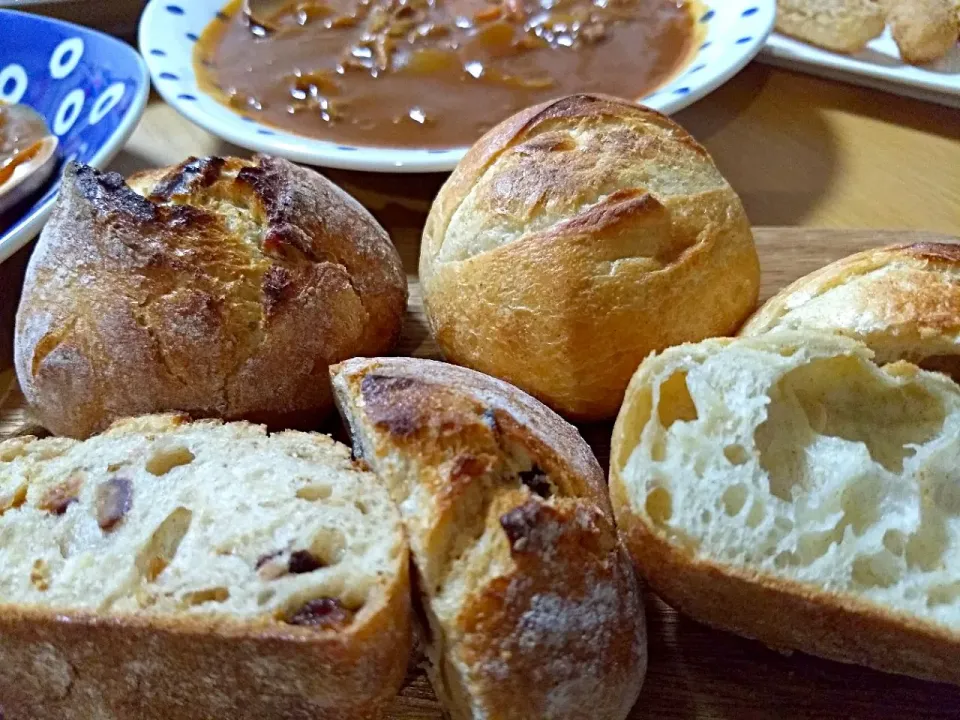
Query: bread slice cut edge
{"type": "Point", "coordinates": [844, 614]}
{"type": "Point", "coordinates": [66, 662]}
{"type": "Point", "coordinates": [531, 608]}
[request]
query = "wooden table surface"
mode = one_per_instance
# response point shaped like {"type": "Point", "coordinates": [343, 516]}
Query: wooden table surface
{"type": "Point", "coordinates": [801, 152]}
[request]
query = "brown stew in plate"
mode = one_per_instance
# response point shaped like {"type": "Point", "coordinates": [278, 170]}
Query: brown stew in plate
{"type": "Point", "coordinates": [434, 73]}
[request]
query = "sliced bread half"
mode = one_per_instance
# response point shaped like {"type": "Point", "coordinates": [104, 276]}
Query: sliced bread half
{"type": "Point", "coordinates": [170, 570]}
{"type": "Point", "coordinates": [787, 488]}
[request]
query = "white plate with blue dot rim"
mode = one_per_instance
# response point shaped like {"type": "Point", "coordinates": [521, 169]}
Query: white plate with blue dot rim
{"type": "Point", "coordinates": [734, 32]}
{"type": "Point", "coordinates": [90, 88]}
{"type": "Point", "coordinates": [878, 66]}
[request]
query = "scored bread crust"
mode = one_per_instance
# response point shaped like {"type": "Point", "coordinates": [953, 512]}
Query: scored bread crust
{"type": "Point", "coordinates": [63, 664]}
{"type": "Point", "coordinates": [224, 288]}
{"type": "Point", "coordinates": [903, 301]}
{"type": "Point", "coordinates": [783, 613]}
{"type": "Point", "coordinates": [532, 608]}
{"type": "Point", "coordinates": [575, 238]}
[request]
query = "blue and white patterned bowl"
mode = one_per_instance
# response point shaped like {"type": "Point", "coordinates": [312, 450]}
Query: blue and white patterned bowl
{"type": "Point", "coordinates": [735, 32]}
{"type": "Point", "coordinates": [90, 88]}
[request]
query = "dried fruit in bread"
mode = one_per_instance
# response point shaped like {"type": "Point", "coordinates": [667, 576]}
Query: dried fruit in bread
{"type": "Point", "coordinates": [134, 577]}
{"type": "Point", "coordinates": [531, 605]}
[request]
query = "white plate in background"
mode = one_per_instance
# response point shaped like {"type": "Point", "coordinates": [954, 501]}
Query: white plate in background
{"type": "Point", "coordinates": [735, 32]}
{"type": "Point", "coordinates": [878, 66]}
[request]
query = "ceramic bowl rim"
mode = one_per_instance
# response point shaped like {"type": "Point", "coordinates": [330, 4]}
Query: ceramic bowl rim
{"type": "Point", "coordinates": [11, 242]}
{"type": "Point", "coordinates": [329, 154]}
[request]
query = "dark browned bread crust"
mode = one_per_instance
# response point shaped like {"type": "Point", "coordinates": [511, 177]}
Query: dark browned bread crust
{"type": "Point", "coordinates": [225, 289]}
{"type": "Point", "coordinates": [541, 615]}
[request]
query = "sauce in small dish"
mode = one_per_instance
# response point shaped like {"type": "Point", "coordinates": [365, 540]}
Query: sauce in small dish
{"type": "Point", "coordinates": [434, 73]}
{"type": "Point", "coordinates": [28, 154]}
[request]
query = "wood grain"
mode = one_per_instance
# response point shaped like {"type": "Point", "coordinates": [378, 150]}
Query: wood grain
{"type": "Point", "coordinates": [694, 672]}
{"type": "Point", "coordinates": [802, 150]}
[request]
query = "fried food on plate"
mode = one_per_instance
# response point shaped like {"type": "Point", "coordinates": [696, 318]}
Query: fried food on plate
{"type": "Point", "coordinates": [924, 30]}
{"type": "Point", "coordinates": [841, 25]}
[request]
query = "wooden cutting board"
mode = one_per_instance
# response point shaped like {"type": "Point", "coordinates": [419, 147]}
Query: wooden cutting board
{"type": "Point", "coordinates": [694, 672]}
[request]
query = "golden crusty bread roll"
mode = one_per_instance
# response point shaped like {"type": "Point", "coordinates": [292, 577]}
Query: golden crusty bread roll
{"type": "Point", "coordinates": [226, 287]}
{"type": "Point", "coordinates": [903, 301]}
{"type": "Point", "coordinates": [532, 608]}
{"type": "Point", "coordinates": [575, 238]}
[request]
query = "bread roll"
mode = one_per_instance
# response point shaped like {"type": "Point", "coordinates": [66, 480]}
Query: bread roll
{"type": "Point", "coordinates": [174, 571]}
{"type": "Point", "coordinates": [225, 288]}
{"type": "Point", "coordinates": [788, 489]}
{"type": "Point", "coordinates": [532, 607]}
{"type": "Point", "coordinates": [575, 238]}
{"type": "Point", "coordinates": [840, 25]}
{"type": "Point", "coordinates": [924, 30]}
{"type": "Point", "coordinates": [903, 301]}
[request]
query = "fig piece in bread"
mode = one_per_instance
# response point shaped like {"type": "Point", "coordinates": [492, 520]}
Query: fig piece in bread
{"type": "Point", "coordinates": [221, 287]}
{"type": "Point", "coordinates": [532, 608]}
{"type": "Point", "coordinates": [788, 489]}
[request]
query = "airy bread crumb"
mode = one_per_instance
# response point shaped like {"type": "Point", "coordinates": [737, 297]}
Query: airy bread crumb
{"type": "Point", "coordinates": [789, 470]}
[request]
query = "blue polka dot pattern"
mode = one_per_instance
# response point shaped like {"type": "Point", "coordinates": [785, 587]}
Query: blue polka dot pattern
{"type": "Point", "coordinates": [88, 87]}
{"type": "Point", "coordinates": [731, 31]}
